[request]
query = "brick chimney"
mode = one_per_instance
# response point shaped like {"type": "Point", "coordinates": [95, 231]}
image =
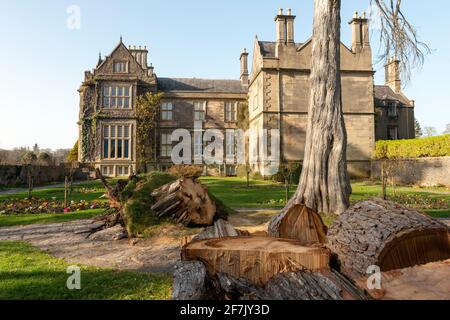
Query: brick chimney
{"type": "Point", "coordinates": [140, 54]}
{"type": "Point", "coordinates": [360, 32]}
{"type": "Point", "coordinates": [392, 74]}
{"type": "Point", "coordinates": [244, 67]}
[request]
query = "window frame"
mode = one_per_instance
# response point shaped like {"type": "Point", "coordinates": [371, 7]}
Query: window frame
{"type": "Point", "coordinates": [122, 141]}
{"type": "Point", "coordinates": [230, 111]}
{"type": "Point", "coordinates": [203, 105]}
{"type": "Point", "coordinates": [109, 96]}
{"type": "Point", "coordinates": [165, 112]}
{"type": "Point", "coordinates": [166, 145]}
{"type": "Point", "coordinates": [124, 63]}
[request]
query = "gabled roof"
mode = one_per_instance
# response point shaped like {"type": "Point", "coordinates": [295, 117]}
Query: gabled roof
{"type": "Point", "coordinates": [384, 92]}
{"type": "Point", "coordinates": [201, 85]}
{"type": "Point", "coordinates": [119, 45]}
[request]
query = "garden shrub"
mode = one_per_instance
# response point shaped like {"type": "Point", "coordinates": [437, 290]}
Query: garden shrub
{"type": "Point", "coordinates": [414, 148]}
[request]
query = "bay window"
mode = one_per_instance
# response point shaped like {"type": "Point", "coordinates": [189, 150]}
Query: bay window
{"type": "Point", "coordinates": [116, 141]}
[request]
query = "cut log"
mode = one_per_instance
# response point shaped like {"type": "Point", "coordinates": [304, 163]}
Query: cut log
{"type": "Point", "coordinates": [220, 229]}
{"type": "Point", "coordinates": [255, 258]}
{"type": "Point", "coordinates": [385, 234]}
{"type": "Point", "coordinates": [299, 223]}
{"type": "Point", "coordinates": [190, 281]}
{"type": "Point", "coordinates": [186, 201]}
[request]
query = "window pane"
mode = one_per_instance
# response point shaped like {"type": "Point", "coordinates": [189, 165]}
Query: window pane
{"type": "Point", "coordinates": [106, 91]}
{"type": "Point", "coordinates": [125, 171]}
{"type": "Point", "coordinates": [126, 149]}
{"type": "Point", "coordinates": [106, 102]}
{"type": "Point", "coordinates": [119, 131]}
{"type": "Point", "coordinates": [126, 131]}
{"type": "Point", "coordinates": [106, 131]}
{"type": "Point", "coordinates": [120, 91]}
{"type": "Point", "coordinates": [119, 102]}
{"type": "Point", "coordinates": [119, 148]}
{"type": "Point", "coordinates": [113, 131]}
{"type": "Point", "coordinates": [127, 91]}
{"type": "Point", "coordinates": [105, 148]}
{"type": "Point", "coordinates": [112, 154]}
{"type": "Point", "coordinates": [126, 102]}
{"type": "Point", "coordinates": [113, 102]}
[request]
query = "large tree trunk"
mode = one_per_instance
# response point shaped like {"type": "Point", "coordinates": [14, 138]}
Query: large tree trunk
{"type": "Point", "coordinates": [384, 234]}
{"type": "Point", "coordinates": [324, 184]}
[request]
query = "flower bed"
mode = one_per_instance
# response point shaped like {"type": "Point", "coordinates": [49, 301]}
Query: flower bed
{"type": "Point", "coordinates": [36, 205]}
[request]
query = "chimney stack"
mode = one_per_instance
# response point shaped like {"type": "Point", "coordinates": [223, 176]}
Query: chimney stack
{"type": "Point", "coordinates": [244, 67]}
{"type": "Point", "coordinates": [281, 27]}
{"type": "Point", "coordinates": [140, 54]}
{"type": "Point", "coordinates": [392, 74]}
{"type": "Point", "coordinates": [360, 32]}
{"type": "Point", "coordinates": [285, 27]}
{"type": "Point", "coordinates": [290, 27]}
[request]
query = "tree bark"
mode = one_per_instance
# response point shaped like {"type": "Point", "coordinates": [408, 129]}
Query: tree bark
{"type": "Point", "coordinates": [385, 234]}
{"type": "Point", "coordinates": [324, 184]}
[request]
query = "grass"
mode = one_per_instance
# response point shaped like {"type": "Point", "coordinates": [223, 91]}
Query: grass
{"type": "Point", "coordinates": [89, 191]}
{"type": "Point", "coordinates": [266, 194]}
{"type": "Point", "coordinates": [26, 219]}
{"type": "Point", "coordinates": [28, 273]}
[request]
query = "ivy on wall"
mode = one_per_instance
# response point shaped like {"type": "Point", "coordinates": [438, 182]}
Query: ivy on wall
{"type": "Point", "coordinates": [89, 135]}
{"type": "Point", "coordinates": [147, 110]}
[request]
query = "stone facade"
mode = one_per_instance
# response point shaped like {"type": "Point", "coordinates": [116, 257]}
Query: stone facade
{"type": "Point", "coordinates": [277, 91]}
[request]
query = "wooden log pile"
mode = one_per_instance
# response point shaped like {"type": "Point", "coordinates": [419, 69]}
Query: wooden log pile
{"type": "Point", "coordinates": [387, 235]}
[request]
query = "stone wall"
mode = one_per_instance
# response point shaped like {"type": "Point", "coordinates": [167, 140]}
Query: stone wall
{"type": "Point", "coordinates": [421, 171]}
{"type": "Point", "coordinates": [17, 175]}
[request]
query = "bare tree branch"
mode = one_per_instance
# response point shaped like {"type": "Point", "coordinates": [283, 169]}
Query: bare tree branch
{"type": "Point", "coordinates": [399, 38]}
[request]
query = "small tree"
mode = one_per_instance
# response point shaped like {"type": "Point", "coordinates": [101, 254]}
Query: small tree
{"type": "Point", "coordinates": [430, 131]}
{"type": "Point", "coordinates": [44, 159]}
{"type": "Point", "coordinates": [29, 160]}
{"type": "Point", "coordinates": [73, 154]}
{"type": "Point", "coordinates": [417, 129]}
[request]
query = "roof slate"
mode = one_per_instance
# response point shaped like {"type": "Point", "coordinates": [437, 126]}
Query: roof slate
{"type": "Point", "coordinates": [201, 85]}
{"type": "Point", "coordinates": [384, 92]}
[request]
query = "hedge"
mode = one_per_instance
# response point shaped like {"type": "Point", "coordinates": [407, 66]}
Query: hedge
{"type": "Point", "coordinates": [414, 148]}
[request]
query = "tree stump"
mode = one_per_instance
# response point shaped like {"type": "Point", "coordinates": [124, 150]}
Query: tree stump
{"type": "Point", "coordinates": [299, 223]}
{"type": "Point", "coordinates": [385, 234]}
{"type": "Point", "coordinates": [186, 201]}
{"type": "Point", "coordinates": [255, 258]}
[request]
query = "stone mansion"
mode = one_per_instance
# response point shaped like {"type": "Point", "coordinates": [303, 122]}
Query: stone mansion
{"type": "Point", "coordinates": [277, 91]}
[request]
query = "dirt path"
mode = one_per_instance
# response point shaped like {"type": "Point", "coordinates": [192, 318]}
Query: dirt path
{"type": "Point", "coordinates": [69, 241]}
{"type": "Point", "coordinates": [156, 254]}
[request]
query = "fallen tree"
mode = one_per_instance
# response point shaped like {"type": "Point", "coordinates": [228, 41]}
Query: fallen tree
{"type": "Point", "coordinates": [387, 235]}
{"type": "Point", "coordinates": [146, 200]}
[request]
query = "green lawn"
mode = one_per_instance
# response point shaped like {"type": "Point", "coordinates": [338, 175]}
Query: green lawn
{"type": "Point", "coordinates": [25, 219]}
{"type": "Point", "coordinates": [89, 191]}
{"type": "Point", "coordinates": [28, 273]}
{"type": "Point", "coordinates": [234, 193]}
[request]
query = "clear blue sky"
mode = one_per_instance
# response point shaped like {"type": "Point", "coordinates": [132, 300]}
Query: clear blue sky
{"type": "Point", "coordinates": [42, 61]}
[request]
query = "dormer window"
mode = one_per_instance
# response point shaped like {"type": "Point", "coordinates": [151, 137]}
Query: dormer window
{"type": "Point", "coordinates": [120, 67]}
